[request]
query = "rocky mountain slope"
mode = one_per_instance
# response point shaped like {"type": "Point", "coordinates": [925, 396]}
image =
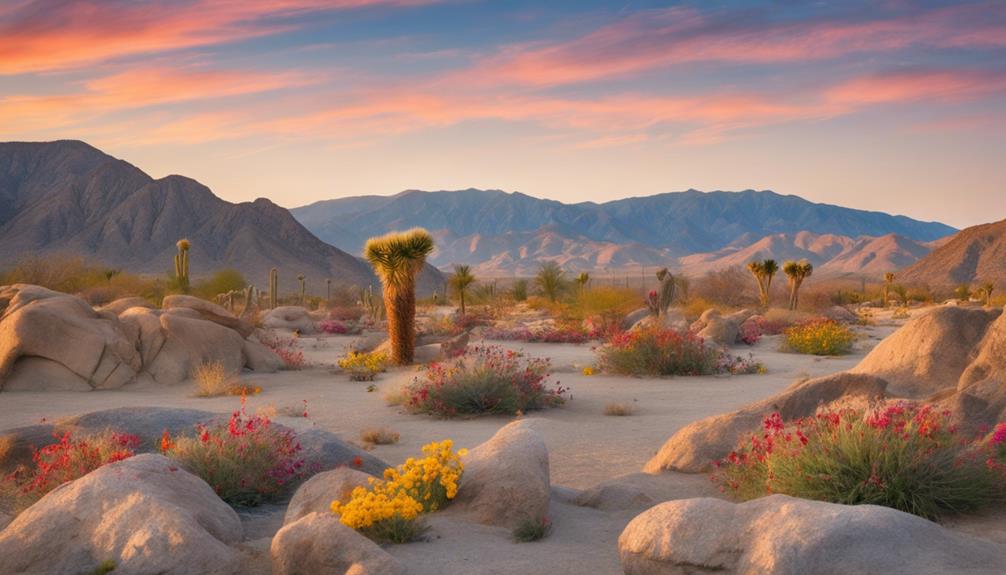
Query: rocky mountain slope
{"type": "Point", "coordinates": [504, 232]}
{"type": "Point", "coordinates": [974, 255]}
{"type": "Point", "coordinates": [67, 197]}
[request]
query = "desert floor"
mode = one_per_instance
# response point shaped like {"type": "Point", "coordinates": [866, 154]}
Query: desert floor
{"type": "Point", "coordinates": [586, 447]}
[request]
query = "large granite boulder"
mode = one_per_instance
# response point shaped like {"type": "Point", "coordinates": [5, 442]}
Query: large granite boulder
{"type": "Point", "coordinates": [318, 493]}
{"type": "Point", "coordinates": [145, 514]}
{"type": "Point", "coordinates": [319, 543]}
{"type": "Point", "coordinates": [209, 311]}
{"type": "Point", "coordinates": [780, 535]}
{"type": "Point", "coordinates": [289, 317]}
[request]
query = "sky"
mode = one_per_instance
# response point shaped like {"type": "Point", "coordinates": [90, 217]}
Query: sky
{"type": "Point", "coordinates": [897, 106]}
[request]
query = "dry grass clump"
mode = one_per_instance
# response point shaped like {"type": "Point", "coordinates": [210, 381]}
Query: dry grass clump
{"type": "Point", "coordinates": [619, 409]}
{"type": "Point", "coordinates": [398, 396]}
{"type": "Point", "coordinates": [213, 380]}
{"type": "Point", "coordinates": [379, 436]}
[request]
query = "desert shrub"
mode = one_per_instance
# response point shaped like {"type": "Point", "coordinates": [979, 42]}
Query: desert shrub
{"type": "Point", "coordinates": [103, 568]}
{"type": "Point", "coordinates": [455, 324]}
{"type": "Point", "coordinates": [820, 337]}
{"type": "Point", "coordinates": [531, 529]}
{"type": "Point", "coordinates": [247, 460]}
{"type": "Point", "coordinates": [337, 327]}
{"type": "Point", "coordinates": [345, 313]}
{"type": "Point", "coordinates": [731, 287]}
{"type": "Point", "coordinates": [364, 366]}
{"type": "Point", "coordinates": [389, 510]}
{"type": "Point", "coordinates": [67, 459]}
{"type": "Point", "coordinates": [519, 290]}
{"type": "Point", "coordinates": [904, 457]}
{"type": "Point", "coordinates": [223, 281]}
{"type": "Point", "coordinates": [618, 409]}
{"type": "Point", "coordinates": [486, 379]}
{"type": "Point", "coordinates": [564, 333]}
{"type": "Point", "coordinates": [655, 351]}
{"type": "Point", "coordinates": [379, 436]}
{"type": "Point", "coordinates": [213, 380]}
{"type": "Point", "coordinates": [286, 348]}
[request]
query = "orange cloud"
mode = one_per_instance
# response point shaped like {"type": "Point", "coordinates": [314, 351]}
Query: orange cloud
{"type": "Point", "coordinates": [58, 34]}
{"type": "Point", "coordinates": [666, 37]}
{"type": "Point", "coordinates": [948, 85]}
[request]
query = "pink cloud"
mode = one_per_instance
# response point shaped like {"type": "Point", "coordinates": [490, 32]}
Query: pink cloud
{"type": "Point", "coordinates": [59, 34]}
{"type": "Point", "coordinates": [946, 85]}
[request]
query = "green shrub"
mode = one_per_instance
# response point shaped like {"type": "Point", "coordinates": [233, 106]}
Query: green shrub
{"type": "Point", "coordinates": [820, 337]}
{"type": "Point", "coordinates": [531, 529]}
{"type": "Point", "coordinates": [655, 351]}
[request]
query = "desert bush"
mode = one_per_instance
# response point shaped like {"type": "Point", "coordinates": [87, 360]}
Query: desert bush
{"type": "Point", "coordinates": [905, 457]}
{"type": "Point", "coordinates": [213, 380]}
{"type": "Point", "coordinates": [364, 366]}
{"type": "Point", "coordinates": [388, 511]}
{"type": "Point", "coordinates": [531, 529]}
{"type": "Point", "coordinates": [247, 460]}
{"type": "Point", "coordinates": [519, 290]}
{"type": "Point", "coordinates": [223, 281]}
{"type": "Point", "coordinates": [286, 348]}
{"type": "Point", "coordinates": [655, 351]}
{"type": "Point", "coordinates": [618, 409]}
{"type": "Point", "coordinates": [486, 379]}
{"type": "Point", "coordinates": [345, 313]}
{"type": "Point", "coordinates": [379, 436]}
{"type": "Point", "coordinates": [820, 337]}
{"type": "Point", "coordinates": [338, 327]}
{"type": "Point", "coordinates": [565, 333]}
{"type": "Point", "coordinates": [68, 459]}
{"type": "Point", "coordinates": [729, 287]}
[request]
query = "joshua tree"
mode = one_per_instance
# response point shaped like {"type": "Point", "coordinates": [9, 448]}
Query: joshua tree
{"type": "Point", "coordinates": [460, 280]}
{"type": "Point", "coordinates": [665, 295]}
{"type": "Point", "coordinates": [520, 290]}
{"type": "Point", "coordinates": [902, 293]}
{"type": "Point", "coordinates": [963, 292]}
{"type": "Point", "coordinates": [328, 291]}
{"type": "Point", "coordinates": [182, 265]}
{"type": "Point", "coordinates": [549, 280]}
{"type": "Point", "coordinates": [886, 291]}
{"type": "Point", "coordinates": [582, 279]}
{"type": "Point", "coordinates": [986, 291]}
{"type": "Point", "coordinates": [763, 272]}
{"type": "Point", "coordinates": [303, 288]}
{"type": "Point", "coordinates": [796, 272]}
{"type": "Point", "coordinates": [273, 288]}
{"type": "Point", "coordinates": [111, 273]}
{"type": "Point", "coordinates": [397, 258]}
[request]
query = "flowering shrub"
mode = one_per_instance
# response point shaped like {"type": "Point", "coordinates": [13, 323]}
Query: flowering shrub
{"type": "Point", "coordinates": [336, 327]}
{"type": "Point", "coordinates": [904, 457]}
{"type": "Point", "coordinates": [556, 334]}
{"type": "Point", "coordinates": [757, 326]}
{"type": "Point", "coordinates": [454, 325]}
{"type": "Point", "coordinates": [286, 348]}
{"type": "Point", "coordinates": [246, 461]}
{"type": "Point", "coordinates": [345, 313]}
{"type": "Point", "coordinates": [63, 461]}
{"type": "Point", "coordinates": [389, 509]}
{"type": "Point", "coordinates": [655, 351]}
{"type": "Point", "coordinates": [820, 337]}
{"type": "Point", "coordinates": [486, 379]}
{"type": "Point", "coordinates": [364, 366]}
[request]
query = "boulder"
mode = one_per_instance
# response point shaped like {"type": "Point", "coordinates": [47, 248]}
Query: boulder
{"type": "Point", "coordinates": [698, 445]}
{"type": "Point", "coordinates": [674, 319]}
{"type": "Point", "coordinates": [324, 450]}
{"type": "Point", "coordinates": [145, 514]}
{"type": "Point", "coordinates": [258, 357]}
{"type": "Point", "coordinates": [930, 352]}
{"type": "Point", "coordinates": [123, 303]}
{"type": "Point", "coordinates": [720, 329]}
{"type": "Point", "coordinates": [455, 346]}
{"type": "Point", "coordinates": [143, 327]}
{"type": "Point", "coordinates": [634, 317]}
{"type": "Point", "coordinates": [209, 311]}
{"type": "Point", "coordinates": [290, 317]}
{"type": "Point", "coordinates": [506, 479]}
{"type": "Point", "coordinates": [70, 344]}
{"type": "Point", "coordinates": [191, 342]}
{"type": "Point", "coordinates": [369, 342]}
{"type": "Point", "coordinates": [642, 490]}
{"type": "Point", "coordinates": [320, 543]}
{"type": "Point", "coordinates": [780, 535]}
{"type": "Point", "coordinates": [318, 493]}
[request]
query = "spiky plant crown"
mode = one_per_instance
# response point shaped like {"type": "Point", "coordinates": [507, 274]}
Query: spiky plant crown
{"type": "Point", "coordinates": [397, 256]}
{"type": "Point", "coordinates": [462, 277]}
{"type": "Point", "coordinates": [769, 267]}
{"type": "Point", "coordinates": [800, 269]}
{"type": "Point", "coordinates": [183, 244]}
{"type": "Point", "coordinates": [756, 267]}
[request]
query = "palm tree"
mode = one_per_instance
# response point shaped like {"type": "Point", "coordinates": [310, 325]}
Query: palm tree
{"type": "Point", "coordinates": [460, 280]}
{"type": "Point", "coordinates": [397, 258]}
{"type": "Point", "coordinates": [763, 272]}
{"type": "Point", "coordinates": [550, 280]}
{"type": "Point", "coordinates": [888, 282]}
{"type": "Point", "coordinates": [986, 291]}
{"type": "Point", "coordinates": [796, 272]}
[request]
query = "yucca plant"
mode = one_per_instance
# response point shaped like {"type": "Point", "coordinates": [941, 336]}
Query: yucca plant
{"type": "Point", "coordinates": [888, 282]}
{"type": "Point", "coordinates": [550, 280]}
{"type": "Point", "coordinates": [763, 273]}
{"type": "Point", "coordinates": [182, 265]}
{"type": "Point", "coordinates": [986, 291]}
{"type": "Point", "coordinates": [460, 280]}
{"type": "Point", "coordinates": [582, 280]}
{"type": "Point", "coordinates": [796, 272]}
{"type": "Point", "coordinates": [397, 259]}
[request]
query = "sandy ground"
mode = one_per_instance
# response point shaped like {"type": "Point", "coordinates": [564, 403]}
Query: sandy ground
{"type": "Point", "coordinates": [586, 447]}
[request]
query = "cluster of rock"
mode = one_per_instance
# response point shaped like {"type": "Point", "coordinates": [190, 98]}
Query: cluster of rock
{"type": "Point", "coordinates": [55, 341]}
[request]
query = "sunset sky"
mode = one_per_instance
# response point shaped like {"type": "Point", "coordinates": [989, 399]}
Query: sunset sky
{"type": "Point", "coordinates": [896, 106]}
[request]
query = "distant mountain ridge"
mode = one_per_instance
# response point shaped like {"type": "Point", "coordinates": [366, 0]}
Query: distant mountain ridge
{"type": "Point", "coordinates": [972, 256]}
{"type": "Point", "coordinates": [69, 197]}
{"type": "Point", "coordinates": [500, 232]}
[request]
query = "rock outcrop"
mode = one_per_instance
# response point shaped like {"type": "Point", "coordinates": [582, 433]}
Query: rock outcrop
{"type": "Point", "coordinates": [318, 493]}
{"type": "Point", "coordinates": [289, 317]}
{"type": "Point", "coordinates": [145, 514]}
{"type": "Point", "coordinates": [780, 535]}
{"type": "Point", "coordinates": [320, 543]}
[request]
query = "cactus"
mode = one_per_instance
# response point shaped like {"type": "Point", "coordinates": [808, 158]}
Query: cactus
{"type": "Point", "coordinates": [328, 289]}
{"type": "Point", "coordinates": [273, 288]}
{"type": "Point", "coordinates": [665, 296]}
{"type": "Point", "coordinates": [375, 310]}
{"type": "Point", "coordinates": [249, 297]}
{"type": "Point", "coordinates": [182, 265]}
{"type": "Point", "coordinates": [303, 288]}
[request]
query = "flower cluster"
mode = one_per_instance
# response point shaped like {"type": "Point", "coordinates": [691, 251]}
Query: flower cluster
{"type": "Point", "coordinates": [337, 327]}
{"type": "Point", "coordinates": [286, 348]}
{"type": "Point", "coordinates": [66, 460]}
{"type": "Point", "coordinates": [246, 461]}
{"type": "Point", "coordinates": [364, 366]}
{"type": "Point", "coordinates": [485, 379]}
{"type": "Point", "coordinates": [656, 351]}
{"type": "Point", "coordinates": [454, 325]}
{"type": "Point", "coordinates": [387, 511]}
{"type": "Point", "coordinates": [568, 333]}
{"type": "Point", "coordinates": [820, 337]}
{"type": "Point", "coordinates": [903, 456]}
{"type": "Point", "coordinates": [757, 326]}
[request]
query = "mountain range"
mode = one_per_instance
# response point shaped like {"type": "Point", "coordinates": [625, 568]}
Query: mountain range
{"type": "Point", "coordinates": [974, 255]}
{"type": "Point", "coordinates": [67, 197]}
{"type": "Point", "coordinates": [501, 233]}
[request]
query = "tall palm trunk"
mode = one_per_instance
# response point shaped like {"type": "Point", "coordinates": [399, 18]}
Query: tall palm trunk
{"type": "Point", "coordinates": [400, 302]}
